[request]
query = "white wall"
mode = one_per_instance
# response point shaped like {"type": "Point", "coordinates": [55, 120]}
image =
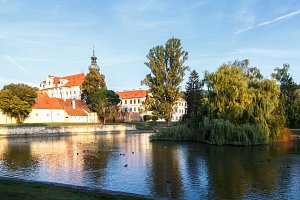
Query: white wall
{"type": "Point", "coordinates": [45, 116]}
{"type": "Point", "coordinates": [4, 119]}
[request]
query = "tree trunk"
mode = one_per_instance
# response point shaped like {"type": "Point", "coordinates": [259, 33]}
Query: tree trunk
{"type": "Point", "coordinates": [104, 120]}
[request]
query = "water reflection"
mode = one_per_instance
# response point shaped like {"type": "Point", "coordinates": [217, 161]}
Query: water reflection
{"type": "Point", "coordinates": [16, 156]}
{"type": "Point", "coordinates": [166, 180]}
{"type": "Point", "coordinates": [130, 163]}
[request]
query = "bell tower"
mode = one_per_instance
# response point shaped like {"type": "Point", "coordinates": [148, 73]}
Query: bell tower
{"type": "Point", "coordinates": [94, 61]}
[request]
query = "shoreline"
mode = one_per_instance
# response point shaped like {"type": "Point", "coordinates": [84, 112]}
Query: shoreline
{"type": "Point", "coordinates": [68, 187]}
{"type": "Point", "coordinates": [7, 132]}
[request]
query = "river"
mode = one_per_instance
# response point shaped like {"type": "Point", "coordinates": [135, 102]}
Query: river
{"type": "Point", "coordinates": [131, 163]}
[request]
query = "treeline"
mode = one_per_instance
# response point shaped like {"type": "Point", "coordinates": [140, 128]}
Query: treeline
{"type": "Point", "coordinates": [237, 105]}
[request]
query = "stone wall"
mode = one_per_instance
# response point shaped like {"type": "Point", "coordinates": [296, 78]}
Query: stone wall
{"type": "Point", "coordinates": [10, 131]}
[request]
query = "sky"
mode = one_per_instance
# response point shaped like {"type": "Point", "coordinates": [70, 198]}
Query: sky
{"type": "Point", "coordinates": [38, 38]}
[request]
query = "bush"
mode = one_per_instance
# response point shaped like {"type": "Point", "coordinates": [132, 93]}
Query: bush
{"type": "Point", "coordinates": [220, 132]}
{"type": "Point", "coordinates": [154, 118]}
{"type": "Point", "coordinates": [180, 132]}
{"type": "Point", "coordinates": [146, 117]}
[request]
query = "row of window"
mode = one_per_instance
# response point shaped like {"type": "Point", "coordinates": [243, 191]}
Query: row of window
{"type": "Point", "coordinates": [134, 109]}
{"type": "Point", "coordinates": [182, 104]}
{"type": "Point", "coordinates": [131, 101]}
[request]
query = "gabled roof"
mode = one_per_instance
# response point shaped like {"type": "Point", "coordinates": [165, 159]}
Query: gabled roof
{"type": "Point", "coordinates": [81, 109]}
{"type": "Point", "coordinates": [43, 101]}
{"type": "Point", "coordinates": [132, 94]}
{"type": "Point", "coordinates": [73, 80]}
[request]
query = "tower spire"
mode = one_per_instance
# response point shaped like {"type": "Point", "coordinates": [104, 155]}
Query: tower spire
{"type": "Point", "coordinates": [94, 60]}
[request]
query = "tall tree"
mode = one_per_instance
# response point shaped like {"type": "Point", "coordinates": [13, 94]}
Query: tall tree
{"type": "Point", "coordinates": [288, 95]}
{"type": "Point", "coordinates": [105, 104]}
{"type": "Point", "coordinates": [167, 72]}
{"type": "Point", "coordinates": [16, 100]}
{"type": "Point", "coordinates": [93, 82]}
{"type": "Point", "coordinates": [194, 94]}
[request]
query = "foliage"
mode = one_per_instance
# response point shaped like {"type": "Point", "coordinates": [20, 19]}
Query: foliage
{"type": "Point", "coordinates": [105, 103]}
{"type": "Point", "coordinates": [220, 132]}
{"type": "Point", "coordinates": [146, 117]}
{"type": "Point", "coordinates": [180, 132]}
{"type": "Point", "coordinates": [239, 102]}
{"type": "Point", "coordinates": [288, 94]}
{"type": "Point", "coordinates": [167, 71]}
{"type": "Point", "coordinates": [16, 100]}
{"type": "Point", "coordinates": [194, 95]}
{"type": "Point", "coordinates": [93, 82]}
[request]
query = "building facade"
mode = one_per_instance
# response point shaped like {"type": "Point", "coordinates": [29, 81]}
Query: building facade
{"type": "Point", "coordinates": [132, 105]}
{"type": "Point", "coordinates": [57, 110]}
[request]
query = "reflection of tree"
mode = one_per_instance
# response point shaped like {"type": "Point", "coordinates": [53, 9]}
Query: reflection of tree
{"type": "Point", "coordinates": [233, 170]}
{"type": "Point", "coordinates": [95, 159]}
{"type": "Point", "coordinates": [166, 176]}
{"type": "Point", "coordinates": [18, 157]}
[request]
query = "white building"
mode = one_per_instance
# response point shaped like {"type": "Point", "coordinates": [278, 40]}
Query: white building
{"type": "Point", "coordinates": [67, 87]}
{"type": "Point", "coordinates": [131, 103]}
{"type": "Point", "coordinates": [51, 110]}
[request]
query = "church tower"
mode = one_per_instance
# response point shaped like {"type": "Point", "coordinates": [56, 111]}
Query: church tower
{"type": "Point", "coordinates": [94, 61]}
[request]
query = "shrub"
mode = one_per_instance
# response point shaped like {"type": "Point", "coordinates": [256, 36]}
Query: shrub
{"type": "Point", "coordinates": [180, 132]}
{"type": "Point", "coordinates": [220, 132]}
{"type": "Point", "coordinates": [146, 117]}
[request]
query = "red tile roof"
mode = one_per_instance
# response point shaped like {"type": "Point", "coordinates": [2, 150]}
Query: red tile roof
{"type": "Point", "coordinates": [73, 80]}
{"type": "Point", "coordinates": [43, 101]}
{"type": "Point", "coordinates": [132, 94]}
{"type": "Point", "coordinates": [80, 106]}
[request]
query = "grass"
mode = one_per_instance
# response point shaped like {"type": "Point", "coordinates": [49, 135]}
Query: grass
{"type": "Point", "coordinates": [14, 190]}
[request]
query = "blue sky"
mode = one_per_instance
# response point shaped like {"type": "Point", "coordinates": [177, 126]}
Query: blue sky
{"type": "Point", "coordinates": [56, 37]}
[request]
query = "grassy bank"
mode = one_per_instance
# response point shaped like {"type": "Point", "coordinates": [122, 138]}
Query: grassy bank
{"type": "Point", "coordinates": [14, 190]}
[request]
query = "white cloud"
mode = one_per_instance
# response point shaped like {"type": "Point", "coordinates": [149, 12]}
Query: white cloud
{"type": "Point", "coordinates": [18, 65]}
{"type": "Point", "coordinates": [269, 22]}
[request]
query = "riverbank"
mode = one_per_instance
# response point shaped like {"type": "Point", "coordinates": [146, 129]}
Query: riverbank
{"type": "Point", "coordinates": [14, 189]}
{"type": "Point", "coordinates": [56, 130]}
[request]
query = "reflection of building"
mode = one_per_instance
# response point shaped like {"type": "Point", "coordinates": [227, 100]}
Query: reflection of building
{"type": "Point", "coordinates": [132, 104]}
{"type": "Point", "coordinates": [50, 110]}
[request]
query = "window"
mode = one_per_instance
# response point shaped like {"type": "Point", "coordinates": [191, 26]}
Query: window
{"type": "Point", "coordinates": [125, 101]}
{"type": "Point", "coordinates": [130, 101]}
{"type": "Point", "coordinates": [36, 114]}
{"type": "Point", "coordinates": [49, 83]}
{"type": "Point", "coordinates": [134, 102]}
{"type": "Point", "coordinates": [74, 93]}
{"type": "Point", "coordinates": [47, 114]}
{"type": "Point", "coordinates": [134, 109]}
{"type": "Point", "coordinates": [67, 93]}
{"type": "Point", "coordinates": [139, 101]}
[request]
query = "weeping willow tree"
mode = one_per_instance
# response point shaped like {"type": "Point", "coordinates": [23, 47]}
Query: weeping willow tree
{"type": "Point", "coordinates": [243, 107]}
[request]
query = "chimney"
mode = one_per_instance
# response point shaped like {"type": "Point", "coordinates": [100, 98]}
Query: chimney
{"type": "Point", "coordinates": [73, 104]}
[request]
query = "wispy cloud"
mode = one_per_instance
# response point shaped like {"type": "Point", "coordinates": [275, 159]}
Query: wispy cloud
{"type": "Point", "coordinates": [145, 5]}
{"type": "Point", "coordinates": [269, 22]}
{"type": "Point", "coordinates": [5, 81]}
{"type": "Point", "coordinates": [18, 65]}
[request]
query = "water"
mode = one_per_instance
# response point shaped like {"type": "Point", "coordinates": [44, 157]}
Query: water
{"type": "Point", "coordinates": [160, 169]}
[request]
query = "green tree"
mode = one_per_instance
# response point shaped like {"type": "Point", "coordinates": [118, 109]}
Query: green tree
{"type": "Point", "coordinates": [194, 94]}
{"type": "Point", "coordinates": [288, 97]}
{"type": "Point", "coordinates": [93, 82]}
{"type": "Point", "coordinates": [105, 104]}
{"type": "Point", "coordinates": [167, 72]}
{"type": "Point", "coordinates": [16, 100]}
{"type": "Point", "coordinates": [240, 99]}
